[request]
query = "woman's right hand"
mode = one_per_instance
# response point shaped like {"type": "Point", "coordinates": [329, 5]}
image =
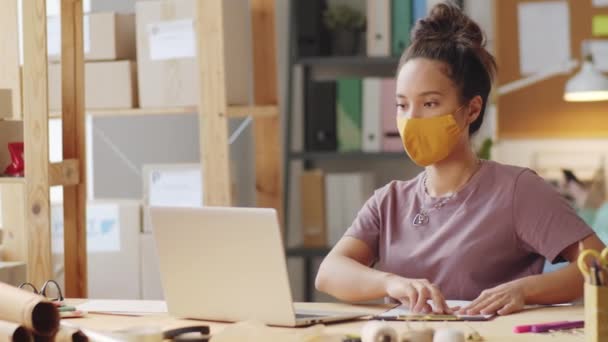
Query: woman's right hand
{"type": "Point", "coordinates": [415, 293]}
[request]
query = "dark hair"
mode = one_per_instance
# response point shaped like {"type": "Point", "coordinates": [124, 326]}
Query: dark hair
{"type": "Point", "coordinates": [449, 36]}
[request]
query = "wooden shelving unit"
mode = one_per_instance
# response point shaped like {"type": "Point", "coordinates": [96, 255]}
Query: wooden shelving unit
{"type": "Point", "coordinates": [25, 201]}
{"type": "Point", "coordinates": [233, 111]}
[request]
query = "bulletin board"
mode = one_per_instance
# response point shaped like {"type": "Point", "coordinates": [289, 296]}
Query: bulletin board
{"type": "Point", "coordinates": [538, 110]}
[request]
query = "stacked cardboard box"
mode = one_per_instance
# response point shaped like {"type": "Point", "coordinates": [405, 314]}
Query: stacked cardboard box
{"type": "Point", "coordinates": [113, 248]}
{"type": "Point", "coordinates": [110, 70]}
{"type": "Point", "coordinates": [166, 52]}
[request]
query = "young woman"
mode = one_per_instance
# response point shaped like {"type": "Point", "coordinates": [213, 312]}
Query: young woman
{"type": "Point", "coordinates": [464, 228]}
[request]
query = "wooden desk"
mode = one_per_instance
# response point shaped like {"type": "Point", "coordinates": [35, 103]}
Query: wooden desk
{"type": "Point", "coordinates": [499, 329]}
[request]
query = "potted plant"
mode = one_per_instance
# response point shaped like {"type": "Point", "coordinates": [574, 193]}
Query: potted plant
{"type": "Point", "coordinates": [345, 24]}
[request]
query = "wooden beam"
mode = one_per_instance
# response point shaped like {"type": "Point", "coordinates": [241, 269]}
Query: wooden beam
{"type": "Point", "coordinates": [267, 130]}
{"type": "Point", "coordinates": [254, 111]}
{"type": "Point", "coordinates": [233, 111]}
{"type": "Point", "coordinates": [212, 104]}
{"type": "Point", "coordinates": [73, 123]}
{"type": "Point", "coordinates": [10, 71]}
{"type": "Point", "coordinates": [36, 136]}
{"type": "Point", "coordinates": [64, 173]}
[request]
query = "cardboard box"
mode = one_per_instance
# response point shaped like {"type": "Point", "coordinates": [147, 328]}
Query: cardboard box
{"type": "Point", "coordinates": [12, 272]}
{"type": "Point", "coordinates": [151, 287]}
{"type": "Point", "coordinates": [113, 251]}
{"type": "Point", "coordinates": [6, 103]}
{"type": "Point", "coordinates": [107, 85]}
{"type": "Point", "coordinates": [314, 229]}
{"type": "Point", "coordinates": [107, 36]}
{"type": "Point", "coordinates": [166, 53]}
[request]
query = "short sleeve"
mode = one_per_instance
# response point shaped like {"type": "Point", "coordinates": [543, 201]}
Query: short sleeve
{"type": "Point", "coordinates": [544, 221]}
{"type": "Point", "coordinates": [366, 226]}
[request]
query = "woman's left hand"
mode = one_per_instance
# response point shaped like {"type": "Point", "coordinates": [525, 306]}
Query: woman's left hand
{"type": "Point", "coordinates": [503, 300]}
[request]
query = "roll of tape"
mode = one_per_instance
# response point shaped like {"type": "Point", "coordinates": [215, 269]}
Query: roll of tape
{"type": "Point", "coordinates": [448, 335]}
{"type": "Point", "coordinates": [375, 331]}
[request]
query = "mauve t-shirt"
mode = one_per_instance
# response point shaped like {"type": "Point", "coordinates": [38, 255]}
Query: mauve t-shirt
{"type": "Point", "coordinates": [500, 226]}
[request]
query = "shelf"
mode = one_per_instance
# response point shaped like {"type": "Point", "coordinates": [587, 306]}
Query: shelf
{"type": "Point", "coordinates": [307, 252]}
{"type": "Point", "coordinates": [12, 180]}
{"type": "Point", "coordinates": [234, 111]}
{"type": "Point", "coordinates": [349, 155]}
{"type": "Point", "coordinates": [349, 61]}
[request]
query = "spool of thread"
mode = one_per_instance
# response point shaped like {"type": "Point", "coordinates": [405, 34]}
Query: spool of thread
{"type": "Point", "coordinates": [375, 331]}
{"type": "Point", "coordinates": [418, 335]}
{"type": "Point", "coordinates": [448, 335]}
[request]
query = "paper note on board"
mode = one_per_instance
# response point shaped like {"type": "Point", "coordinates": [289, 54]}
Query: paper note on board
{"type": "Point", "coordinates": [599, 51]}
{"type": "Point", "coordinates": [171, 39]}
{"type": "Point", "coordinates": [600, 3]}
{"type": "Point", "coordinates": [600, 25]}
{"type": "Point", "coordinates": [544, 35]}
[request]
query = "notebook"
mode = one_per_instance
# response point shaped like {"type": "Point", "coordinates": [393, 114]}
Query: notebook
{"type": "Point", "coordinates": [402, 312]}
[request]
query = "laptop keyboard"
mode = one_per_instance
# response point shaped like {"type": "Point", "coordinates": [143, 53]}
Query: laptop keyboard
{"type": "Point", "coordinates": [302, 316]}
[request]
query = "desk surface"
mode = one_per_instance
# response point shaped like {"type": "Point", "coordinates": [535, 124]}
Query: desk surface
{"type": "Point", "coordinates": [498, 329]}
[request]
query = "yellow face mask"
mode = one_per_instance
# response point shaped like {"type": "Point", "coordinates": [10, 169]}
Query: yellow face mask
{"type": "Point", "coordinates": [429, 140]}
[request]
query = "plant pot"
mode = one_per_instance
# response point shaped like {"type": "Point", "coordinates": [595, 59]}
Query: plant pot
{"type": "Point", "coordinates": [345, 42]}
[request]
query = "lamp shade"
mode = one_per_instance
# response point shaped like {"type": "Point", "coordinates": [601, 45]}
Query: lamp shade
{"type": "Point", "coordinates": [589, 84]}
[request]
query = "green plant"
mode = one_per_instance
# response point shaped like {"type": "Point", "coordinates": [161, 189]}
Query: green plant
{"type": "Point", "coordinates": [484, 151]}
{"type": "Point", "coordinates": [343, 17]}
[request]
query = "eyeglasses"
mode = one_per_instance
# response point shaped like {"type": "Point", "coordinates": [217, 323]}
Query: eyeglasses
{"type": "Point", "coordinates": [50, 289]}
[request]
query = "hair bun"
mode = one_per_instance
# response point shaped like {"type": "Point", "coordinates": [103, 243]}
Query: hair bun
{"type": "Point", "coordinates": [446, 22]}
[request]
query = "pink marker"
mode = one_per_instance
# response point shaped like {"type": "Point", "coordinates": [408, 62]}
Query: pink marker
{"type": "Point", "coordinates": [520, 329]}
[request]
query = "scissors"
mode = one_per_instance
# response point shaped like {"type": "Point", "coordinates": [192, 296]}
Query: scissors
{"type": "Point", "coordinates": [600, 258]}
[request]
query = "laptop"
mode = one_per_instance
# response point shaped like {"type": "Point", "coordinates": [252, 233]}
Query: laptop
{"type": "Point", "coordinates": [227, 264]}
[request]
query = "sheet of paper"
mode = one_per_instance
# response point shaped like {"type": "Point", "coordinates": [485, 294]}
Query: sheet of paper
{"type": "Point", "coordinates": [544, 35]}
{"type": "Point", "coordinates": [600, 25]}
{"type": "Point", "coordinates": [600, 3]}
{"type": "Point", "coordinates": [405, 311]}
{"type": "Point", "coordinates": [124, 307]}
{"type": "Point", "coordinates": [599, 50]}
{"type": "Point", "coordinates": [171, 39]}
{"type": "Point", "coordinates": [176, 188]}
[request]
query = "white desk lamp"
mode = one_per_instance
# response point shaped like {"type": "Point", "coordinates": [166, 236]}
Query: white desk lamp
{"type": "Point", "coordinates": [589, 84]}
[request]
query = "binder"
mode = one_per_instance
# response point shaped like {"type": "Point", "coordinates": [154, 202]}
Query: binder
{"type": "Point", "coordinates": [313, 39]}
{"type": "Point", "coordinates": [379, 28]}
{"type": "Point", "coordinates": [320, 116]}
{"type": "Point", "coordinates": [391, 140]}
{"type": "Point", "coordinates": [372, 115]}
{"type": "Point", "coordinates": [400, 25]}
{"type": "Point", "coordinates": [314, 231]}
{"type": "Point", "coordinates": [348, 109]}
{"type": "Point", "coordinates": [419, 10]}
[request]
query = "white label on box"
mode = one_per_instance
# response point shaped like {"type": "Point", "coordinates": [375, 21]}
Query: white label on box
{"type": "Point", "coordinates": [175, 188]}
{"type": "Point", "coordinates": [103, 228]}
{"type": "Point", "coordinates": [53, 35]}
{"type": "Point", "coordinates": [171, 39]}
